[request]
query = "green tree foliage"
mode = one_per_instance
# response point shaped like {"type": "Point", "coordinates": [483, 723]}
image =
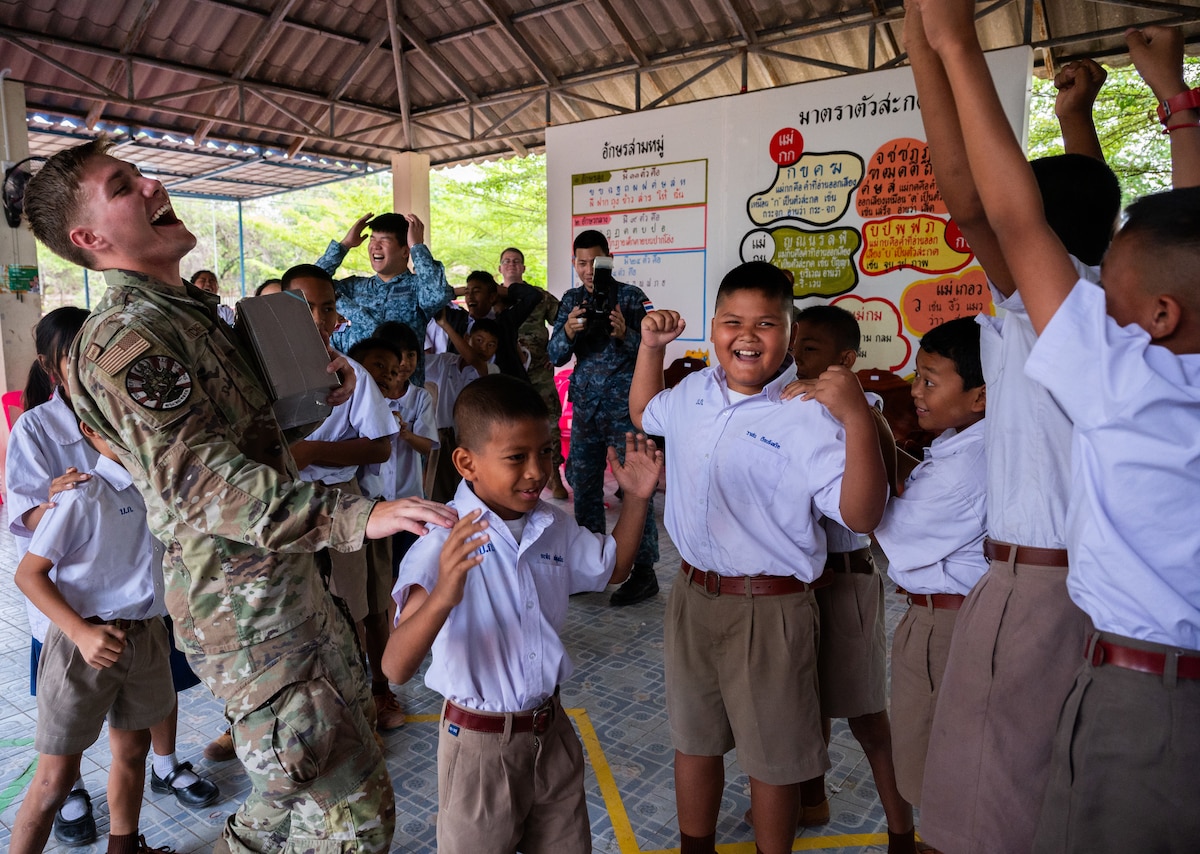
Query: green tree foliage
{"type": "Point", "coordinates": [1127, 124]}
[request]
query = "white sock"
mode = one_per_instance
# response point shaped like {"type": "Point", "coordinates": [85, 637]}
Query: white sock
{"type": "Point", "coordinates": [164, 765]}
{"type": "Point", "coordinates": [75, 808]}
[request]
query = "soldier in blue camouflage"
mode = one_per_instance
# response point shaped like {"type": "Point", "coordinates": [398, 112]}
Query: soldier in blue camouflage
{"type": "Point", "coordinates": [604, 361]}
{"type": "Point", "coordinates": [393, 293]}
{"type": "Point", "coordinates": [175, 393]}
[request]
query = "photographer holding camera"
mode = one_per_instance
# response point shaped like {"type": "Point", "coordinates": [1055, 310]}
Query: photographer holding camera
{"type": "Point", "coordinates": [600, 325]}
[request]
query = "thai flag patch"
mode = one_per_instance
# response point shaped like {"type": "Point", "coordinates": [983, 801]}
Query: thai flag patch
{"type": "Point", "coordinates": [648, 306]}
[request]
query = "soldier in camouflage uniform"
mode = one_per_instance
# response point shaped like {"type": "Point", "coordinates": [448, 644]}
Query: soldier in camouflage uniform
{"type": "Point", "coordinates": [533, 336]}
{"type": "Point", "coordinates": [599, 391]}
{"type": "Point", "coordinates": [169, 386]}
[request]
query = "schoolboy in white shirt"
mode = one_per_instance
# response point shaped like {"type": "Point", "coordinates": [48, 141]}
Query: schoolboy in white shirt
{"type": "Point", "coordinates": [357, 433]}
{"type": "Point", "coordinates": [489, 598]}
{"type": "Point", "coordinates": [932, 534]}
{"type": "Point", "coordinates": [1014, 653]}
{"type": "Point", "coordinates": [399, 475]}
{"type": "Point", "coordinates": [1123, 363]}
{"type": "Point", "coordinates": [750, 477]}
{"type": "Point", "coordinates": [106, 653]}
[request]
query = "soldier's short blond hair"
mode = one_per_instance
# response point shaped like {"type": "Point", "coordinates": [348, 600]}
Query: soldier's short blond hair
{"type": "Point", "coordinates": [54, 196]}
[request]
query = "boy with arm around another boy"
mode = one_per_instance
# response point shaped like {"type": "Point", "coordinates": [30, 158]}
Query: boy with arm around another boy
{"type": "Point", "coordinates": [751, 477]}
{"type": "Point", "coordinates": [488, 599]}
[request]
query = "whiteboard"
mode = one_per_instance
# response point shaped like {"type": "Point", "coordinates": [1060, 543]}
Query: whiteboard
{"type": "Point", "coordinates": [829, 179]}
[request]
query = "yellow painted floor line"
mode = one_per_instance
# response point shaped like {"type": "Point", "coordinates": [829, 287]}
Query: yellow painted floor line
{"type": "Point", "coordinates": [623, 830]}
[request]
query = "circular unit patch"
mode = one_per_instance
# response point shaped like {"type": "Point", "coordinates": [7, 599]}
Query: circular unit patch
{"type": "Point", "coordinates": [158, 382]}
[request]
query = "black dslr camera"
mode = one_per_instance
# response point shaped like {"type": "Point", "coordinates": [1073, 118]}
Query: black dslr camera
{"type": "Point", "coordinates": [602, 300]}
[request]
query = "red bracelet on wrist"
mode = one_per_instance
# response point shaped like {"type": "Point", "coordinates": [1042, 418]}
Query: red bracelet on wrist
{"type": "Point", "coordinates": [1189, 100]}
{"type": "Point", "coordinates": [1173, 128]}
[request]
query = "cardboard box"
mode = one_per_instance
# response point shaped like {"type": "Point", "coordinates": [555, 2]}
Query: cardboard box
{"type": "Point", "coordinates": [292, 357]}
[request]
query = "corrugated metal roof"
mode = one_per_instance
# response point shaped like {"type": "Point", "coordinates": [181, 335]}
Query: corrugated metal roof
{"type": "Point", "coordinates": [248, 89]}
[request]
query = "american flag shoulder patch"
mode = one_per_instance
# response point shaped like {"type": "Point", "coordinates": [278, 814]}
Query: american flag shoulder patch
{"type": "Point", "coordinates": [116, 356]}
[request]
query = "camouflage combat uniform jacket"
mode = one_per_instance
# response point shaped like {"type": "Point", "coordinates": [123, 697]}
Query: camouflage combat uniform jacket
{"type": "Point", "coordinates": [603, 374]}
{"type": "Point", "coordinates": [367, 301]}
{"type": "Point", "coordinates": [167, 384]}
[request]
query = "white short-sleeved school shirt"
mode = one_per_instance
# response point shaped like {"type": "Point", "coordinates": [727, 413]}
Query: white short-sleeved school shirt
{"type": "Point", "coordinates": [44, 443]}
{"type": "Point", "coordinates": [499, 650]}
{"type": "Point", "coordinates": [451, 375]}
{"type": "Point", "coordinates": [748, 477]}
{"type": "Point", "coordinates": [104, 557]}
{"type": "Point", "coordinates": [933, 533]}
{"type": "Point", "coordinates": [1028, 435]}
{"type": "Point", "coordinates": [364, 416]}
{"type": "Point", "coordinates": [1135, 470]}
{"type": "Point", "coordinates": [400, 476]}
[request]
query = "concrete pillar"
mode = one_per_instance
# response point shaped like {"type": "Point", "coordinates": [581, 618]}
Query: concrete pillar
{"type": "Point", "coordinates": [18, 311]}
{"type": "Point", "coordinates": [410, 188]}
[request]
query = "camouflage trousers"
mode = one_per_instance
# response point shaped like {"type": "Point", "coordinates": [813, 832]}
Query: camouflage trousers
{"type": "Point", "coordinates": [318, 778]}
{"type": "Point", "coordinates": [590, 440]}
{"type": "Point", "coordinates": [543, 381]}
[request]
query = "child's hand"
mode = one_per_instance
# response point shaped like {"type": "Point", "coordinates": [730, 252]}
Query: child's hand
{"type": "Point", "coordinates": [459, 556]}
{"type": "Point", "coordinates": [643, 465]}
{"type": "Point", "coordinates": [67, 480]}
{"type": "Point", "coordinates": [1157, 53]}
{"type": "Point", "coordinates": [100, 646]}
{"type": "Point", "coordinates": [795, 389]}
{"type": "Point", "coordinates": [1078, 84]}
{"type": "Point", "coordinates": [339, 365]}
{"type": "Point", "coordinates": [660, 327]}
{"type": "Point", "coordinates": [947, 22]}
{"type": "Point", "coordinates": [838, 390]}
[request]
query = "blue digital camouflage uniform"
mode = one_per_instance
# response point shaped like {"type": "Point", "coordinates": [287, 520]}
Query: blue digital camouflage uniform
{"type": "Point", "coordinates": [174, 392]}
{"type": "Point", "coordinates": [600, 406]}
{"type": "Point", "coordinates": [367, 301]}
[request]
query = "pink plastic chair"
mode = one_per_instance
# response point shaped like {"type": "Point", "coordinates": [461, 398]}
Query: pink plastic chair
{"type": "Point", "coordinates": [12, 407]}
{"type": "Point", "coordinates": [562, 382]}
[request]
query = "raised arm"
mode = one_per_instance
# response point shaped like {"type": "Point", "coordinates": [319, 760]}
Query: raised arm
{"type": "Point", "coordinates": [1157, 53]}
{"type": "Point", "coordinates": [469, 354]}
{"type": "Point", "coordinates": [948, 152]}
{"type": "Point", "coordinates": [638, 479]}
{"type": "Point", "coordinates": [1078, 84]}
{"type": "Point", "coordinates": [659, 328]}
{"type": "Point", "coordinates": [1038, 261]}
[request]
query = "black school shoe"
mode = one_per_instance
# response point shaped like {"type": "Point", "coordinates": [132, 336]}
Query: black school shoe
{"type": "Point", "coordinates": [641, 585]}
{"type": "Point", "coordinates": [202, 793]}
{"type": "Point", "coordinates": [79, 831]}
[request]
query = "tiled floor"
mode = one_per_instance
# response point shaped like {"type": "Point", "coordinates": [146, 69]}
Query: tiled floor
{"type": "Point", "coordinates": [615, 698]}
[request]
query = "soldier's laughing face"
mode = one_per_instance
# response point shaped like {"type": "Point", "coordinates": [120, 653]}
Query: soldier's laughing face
{"type": "Point", "coordinates": [126, 220]}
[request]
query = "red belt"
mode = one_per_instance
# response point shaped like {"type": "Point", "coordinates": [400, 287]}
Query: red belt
{"type": "Point", "coordinates": [739, 585]}
{"type": "Point", "coordinates": [859, 561]}
{"type": "Point", "coordinates": [938, 601]}
{"type": "Point", "coordinates": [1030, 555]}
{"type": "Point", "coordinates": [536, 721]}
{"type": "Point", "coordinates": [1187, 665]}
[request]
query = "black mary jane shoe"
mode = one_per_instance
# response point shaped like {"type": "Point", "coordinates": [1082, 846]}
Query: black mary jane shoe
{"type": "Point", "coordinates": [202, 793]}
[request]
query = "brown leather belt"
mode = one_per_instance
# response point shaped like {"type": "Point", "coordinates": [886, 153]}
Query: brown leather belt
{"type": "Point", "coordinates": [536, 721]}
{"type": "Point", "coordinates": [119, 623]}
{"type": "Point", "coordinates": [1030, 555]}
{"type": "Point", "coordinates": [1187, 665]}
{"type": "Point", "coordinates": [859, 561]}
{"type": "Point", "coordinates": [743, 585]}
{"type": "Point", "coordinates": [938, 601]}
